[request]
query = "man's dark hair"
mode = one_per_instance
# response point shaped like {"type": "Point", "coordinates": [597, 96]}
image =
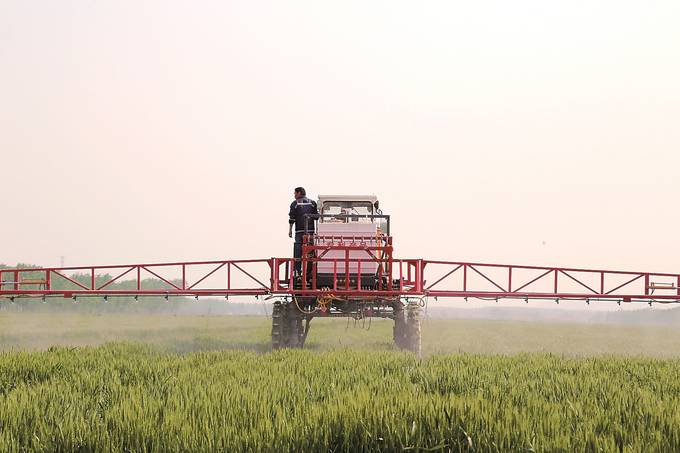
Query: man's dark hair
{"type": "Point", "coordinates": [301, 190]}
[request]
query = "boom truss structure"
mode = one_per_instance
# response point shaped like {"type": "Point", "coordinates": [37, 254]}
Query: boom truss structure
{"type": "Point", "coordinates": [396, 278]}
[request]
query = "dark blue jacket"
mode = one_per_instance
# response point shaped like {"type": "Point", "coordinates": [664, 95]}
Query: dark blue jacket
{"type": "Point", "coordinates": [298, 209]}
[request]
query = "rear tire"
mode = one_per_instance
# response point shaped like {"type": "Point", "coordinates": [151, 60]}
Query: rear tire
{"type": "Point", "coordinates": [413, 329]}
{"type": "Point", "coordinates": [278, 326]}
{"type": "Point", "coordinates": [295, 329]}
{"type": "Point", "coordinates": [399, 329]}
{"type": "Point", "coordinates": [287, 327]}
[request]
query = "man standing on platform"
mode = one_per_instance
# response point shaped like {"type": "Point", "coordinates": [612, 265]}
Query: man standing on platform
{"type": "Point", "coordinates": [303, 213]}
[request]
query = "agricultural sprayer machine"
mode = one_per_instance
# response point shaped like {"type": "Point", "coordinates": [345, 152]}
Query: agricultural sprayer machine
{"type": "Point", "coordinates": [348, 269]}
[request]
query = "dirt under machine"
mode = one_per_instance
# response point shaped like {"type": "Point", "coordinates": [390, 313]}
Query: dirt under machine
{"type": "Point", "coordinates": [348, 271]}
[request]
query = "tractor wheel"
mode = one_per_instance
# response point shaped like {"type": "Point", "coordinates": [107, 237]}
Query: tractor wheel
{"type": "Point", "coordinates": [288, 330]}
{"type": "Point", "coordinates": [278, 326]}
{"type": "Point", "coordinates": [413, 332]}
{"type": "Point", "coordinates": [399, 329]}
{"type": "Point", "coordinates": [295, 328]}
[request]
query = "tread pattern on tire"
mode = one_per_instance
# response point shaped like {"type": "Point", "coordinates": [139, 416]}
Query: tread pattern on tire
{"type": "Point", "coordinates": [287, 326]}
{"type": "Point", "coordinates": [278, 328]}
{"type": "Point", "coordinates": [413, 329]}
{"type": "Point", "coordinates": [399, 329]}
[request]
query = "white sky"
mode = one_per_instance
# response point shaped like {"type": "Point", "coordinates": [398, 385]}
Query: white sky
{"type": "Point", "coordinates": [528, 132]}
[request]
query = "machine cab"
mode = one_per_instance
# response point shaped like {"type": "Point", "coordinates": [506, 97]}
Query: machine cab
{"type": "Point", "coordinates": [352, 235]}
{"type": "Point", "coordinates": [350, 215]}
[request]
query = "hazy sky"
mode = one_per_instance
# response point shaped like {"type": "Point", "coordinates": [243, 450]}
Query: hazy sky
{"type": "Point", "coordinates": [530, 132]}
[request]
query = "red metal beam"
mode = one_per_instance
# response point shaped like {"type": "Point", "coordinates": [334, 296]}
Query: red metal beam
{"type": "Point", "coordinates": [410, 283]}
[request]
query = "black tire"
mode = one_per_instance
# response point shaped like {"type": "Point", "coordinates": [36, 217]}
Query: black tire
{"type": "Point", "coordinates": [399, 329]}
{"type": "Point", "coordinates": [287, 327]}
{"type": "Point", "coordinates": [294, 326]}
{"type": "Point", "coordinates": [278, 326]}
{"type": "Point", "coordinates": [413, 329]}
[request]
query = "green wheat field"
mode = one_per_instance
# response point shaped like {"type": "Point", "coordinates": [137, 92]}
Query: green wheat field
{"type": "Point", "coordinates": [141, 383]}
